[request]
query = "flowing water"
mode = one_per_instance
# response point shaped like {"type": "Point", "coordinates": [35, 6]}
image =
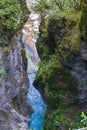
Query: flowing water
{"type": "Point", "coordinates": [30, 35]}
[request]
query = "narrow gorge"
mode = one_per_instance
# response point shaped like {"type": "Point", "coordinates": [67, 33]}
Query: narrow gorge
{"type": "Point", "coordinates": [43, 64]}
{"type": "Point", "coordinates": [30, 35]}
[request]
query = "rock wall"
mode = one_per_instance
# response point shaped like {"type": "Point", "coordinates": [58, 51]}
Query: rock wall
{"type": "Point", "coordinates": [14, 108]}
{"type": "Point", "coordinates": [79, 68]}
{"type": "Point", "coordinates": [32, 4]}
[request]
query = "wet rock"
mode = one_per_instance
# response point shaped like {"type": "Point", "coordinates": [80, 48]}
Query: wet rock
{"type": "Point", "coordinates": [40, 87]}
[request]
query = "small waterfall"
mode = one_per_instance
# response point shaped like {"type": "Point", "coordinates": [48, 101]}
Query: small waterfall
{"type": "Point", "coordinates": [30, 35]}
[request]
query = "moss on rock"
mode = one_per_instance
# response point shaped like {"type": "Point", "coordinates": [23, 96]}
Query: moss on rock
{"type": "Point", "coordinates": [58, 41]}
{"type": "Point", "coordinates": [83, 21]}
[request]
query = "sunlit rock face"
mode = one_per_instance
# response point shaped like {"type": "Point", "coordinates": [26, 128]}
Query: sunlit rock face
{"type": "Point", "coordinates": [30, 35]}
{"type": "Point", "coordinates": [30, 32]}
{"type": "Point", "coordinates": [32, 3]}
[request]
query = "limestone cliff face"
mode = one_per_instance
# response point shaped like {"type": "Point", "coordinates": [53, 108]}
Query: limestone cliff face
{"type": "Point", "coordinates": [14, 108]}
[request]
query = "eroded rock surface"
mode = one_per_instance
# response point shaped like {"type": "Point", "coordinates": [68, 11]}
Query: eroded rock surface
{"type": "Point", "coordinates": [14, 84]}
{"type": "Point", "coordinates": [14, 108]}
{"type": "Point", "coordinates": [79, 71]}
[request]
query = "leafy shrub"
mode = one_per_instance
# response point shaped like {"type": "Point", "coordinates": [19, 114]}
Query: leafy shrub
{"type": "Point", "coordinates": [9, 10]}
{"type": "Point", "coordinates": [84, 119]}
{"type": "Point", "coordinates": [46, 70]}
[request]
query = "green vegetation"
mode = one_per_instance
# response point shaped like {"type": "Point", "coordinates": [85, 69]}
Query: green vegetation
{"type": "Point", "coordinates": [60, 35]}
{"type": "Point", "coordinates": [6, 51]}
{"type": "Point", "coordinates": [84, 119]}
{"type": "Point", "coordinates": [2, 72]}
{"type": "Point", "coordinates": [59, 120]}
{"type": "Point", "coordinates": [58, 42]}
{"type": "Point", "coordinates": [0, 81]}
{"type": "Point", "coordinates": [58, 5]}
{"type": "Point", "coordinates": [9, 11]}
{"type": "Point", "coordinates": [13, 14]}
{"type": "Point", "coordinates": [83, 21]}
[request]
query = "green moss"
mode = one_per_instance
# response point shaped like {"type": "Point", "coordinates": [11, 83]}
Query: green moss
{"type": "Point", "coordinates": [83, 21]}
{"type": "Point", "coordinates": [0, 81]}
{"type": "Point", "coordinates": [60, 34]}
{"type": "Point", "coordinates": [6, 51]}
{"type": "Point", "coordinates": [11, 16]}
{"type": "Point", "coordinates": [58, 120]}
{"type": "Point", "coordinates": [9, 13]}
{"type": "Point", "coordinates": [58, 41]}
{"type": "Point", "coordinates": [22, 50]}
{"type": "Point", "coordinates": [2, 72]}
{"type": "Point", "coordinates": [83, 25]}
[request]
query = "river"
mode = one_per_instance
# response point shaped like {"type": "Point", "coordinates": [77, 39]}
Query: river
{"type": "Point", "coordinates": [30, 35]}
